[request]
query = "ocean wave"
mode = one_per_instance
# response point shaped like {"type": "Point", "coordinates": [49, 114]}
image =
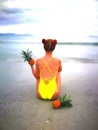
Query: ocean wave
{"type": "Point", "coordinates": [81, 60]}
{"type": "Point", "coordinates": [16, 41]}
{"type": "Point", "coordinates": [11, 60]}
{"type": "Point", "coordinates": [63, 59]}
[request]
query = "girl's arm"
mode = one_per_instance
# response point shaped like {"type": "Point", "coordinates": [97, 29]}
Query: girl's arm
{"type": "Point", "coordinates": [35, 71]}
{"type": "Point", "coordinates": [60, 66]}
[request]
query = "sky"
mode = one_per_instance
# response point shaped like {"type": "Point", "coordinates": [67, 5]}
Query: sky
{"type": "Point", "coordinates": [65, 20]}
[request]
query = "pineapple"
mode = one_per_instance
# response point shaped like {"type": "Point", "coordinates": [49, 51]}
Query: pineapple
{"type": "Point", "coordinates": [64, 101]}
{"type": "Point", "coordinates": [28, 56]}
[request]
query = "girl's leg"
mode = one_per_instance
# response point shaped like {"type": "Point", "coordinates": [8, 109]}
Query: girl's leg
{"type": "Point", "coordinates": [37, 92]}
{"type": "Point", "coordinates": [58, 91]}
{"type": "Point", "coordinates": [56, 95]}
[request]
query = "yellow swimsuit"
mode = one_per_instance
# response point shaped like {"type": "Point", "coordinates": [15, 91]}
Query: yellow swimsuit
{"type": "Point", "coordinates": [47, 86]}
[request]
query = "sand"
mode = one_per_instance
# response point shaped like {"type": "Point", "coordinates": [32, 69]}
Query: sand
{"type": "Point", "coordinates": [20, 109]}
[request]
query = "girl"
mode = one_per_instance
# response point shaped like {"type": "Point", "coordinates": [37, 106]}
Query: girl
{"type": "Point", "coordinates": [47, 72]}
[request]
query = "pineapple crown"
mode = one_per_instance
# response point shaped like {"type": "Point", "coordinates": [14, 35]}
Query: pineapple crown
{"type": "Point", "coordinates": [66, 101]}
{"type": "Point", "coordinates": [27, 55]}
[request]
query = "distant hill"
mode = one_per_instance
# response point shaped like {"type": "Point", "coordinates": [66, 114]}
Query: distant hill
{"type": "Point", "coordinates": [12, 37]}
{"type": "Point", "coordinates": [14, 34]}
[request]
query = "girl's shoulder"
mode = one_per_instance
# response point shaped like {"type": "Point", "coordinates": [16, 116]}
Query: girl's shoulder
{"type": "Point", "coordinates": [39, 61]}
{"type": "Point", "coordinates": [57, 59]}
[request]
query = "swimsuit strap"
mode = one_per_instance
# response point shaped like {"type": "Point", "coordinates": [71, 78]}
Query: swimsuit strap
{"type": "Point", "coordinates": [46, 65]}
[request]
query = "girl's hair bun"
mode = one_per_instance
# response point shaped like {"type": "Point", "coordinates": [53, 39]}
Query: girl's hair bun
{"type": "Point", "coordinates": [54, 41]}
{"type": "Point", "coordinates": [43, 41]}
{"type": "Point", "coordinates": [46, 41]}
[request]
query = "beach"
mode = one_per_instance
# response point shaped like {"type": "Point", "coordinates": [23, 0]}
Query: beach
{"type": "Point", "coordinates": [20, 109]}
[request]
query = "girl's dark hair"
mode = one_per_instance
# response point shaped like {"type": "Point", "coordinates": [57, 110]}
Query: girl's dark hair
{"type": "Point", "coordinates": [49, 44]}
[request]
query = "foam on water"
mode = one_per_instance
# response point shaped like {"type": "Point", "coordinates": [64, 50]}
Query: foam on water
{"type": "Point", "coordinates": [67, 53]}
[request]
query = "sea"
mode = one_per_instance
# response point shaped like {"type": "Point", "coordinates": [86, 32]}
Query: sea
{"type": "Point", "coordinates": [77, 58]}
{"type": "Point", "coordinates": [10, 51]}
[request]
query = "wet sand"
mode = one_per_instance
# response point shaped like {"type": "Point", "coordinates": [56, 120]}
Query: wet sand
{"type": "Point", "coordinates": [20, 109]}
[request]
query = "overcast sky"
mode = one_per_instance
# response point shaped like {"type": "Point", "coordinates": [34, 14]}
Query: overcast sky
{"type": "Point", "coordinates": [65, 20]}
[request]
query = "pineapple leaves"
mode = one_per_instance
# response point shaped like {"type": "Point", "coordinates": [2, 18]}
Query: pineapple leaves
{"type": "Point", "coordinates": [27, 55]}
{"type": "Point", "coordinates": [66, 101]}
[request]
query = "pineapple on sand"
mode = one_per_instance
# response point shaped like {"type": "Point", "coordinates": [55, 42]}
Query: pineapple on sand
{"type": "Point", "coordinates": [64, 101]}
